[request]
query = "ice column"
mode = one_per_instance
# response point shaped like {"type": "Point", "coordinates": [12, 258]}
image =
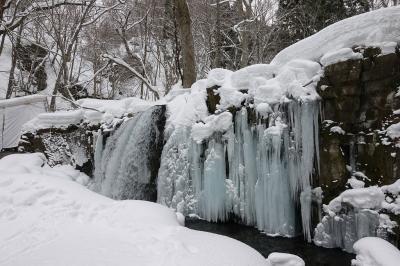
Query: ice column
{"type": "Point", "coordinates": [212, 197]}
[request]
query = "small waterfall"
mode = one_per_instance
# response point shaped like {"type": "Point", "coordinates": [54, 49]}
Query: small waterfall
{"type": "Point", "coordinates": [126, 166]}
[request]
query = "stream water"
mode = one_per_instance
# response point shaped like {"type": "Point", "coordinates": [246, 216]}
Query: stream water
{"type": "Point", "coordinates": [311, 254]}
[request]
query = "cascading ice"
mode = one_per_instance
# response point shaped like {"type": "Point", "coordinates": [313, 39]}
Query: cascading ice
{"type": "Point", "coordinates": [255, 170]}
{"type": "Point", "coordinates": [126, 167]}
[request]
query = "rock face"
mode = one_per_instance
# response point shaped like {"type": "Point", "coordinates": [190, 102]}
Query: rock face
{"type": "Point", "coordinates": [358, 104]}
{"type": "Point", "coordinates": [359, 97]}
{"type": "Point", "coordinates": [72, 145]}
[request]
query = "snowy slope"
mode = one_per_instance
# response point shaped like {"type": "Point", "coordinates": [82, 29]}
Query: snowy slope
{"type": "Point", "coordinates": [47, 219]}
{"type": "Point", "coordinates": [370, 28]}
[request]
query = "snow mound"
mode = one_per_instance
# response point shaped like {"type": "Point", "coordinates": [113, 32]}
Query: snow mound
{"type": "Point", "coordinates": [337, 130]}
{"type": "Point", "coordinates": [284, 259]}
{"type": "Point", "coordinates": [214, 123]}
{"type": "Point", "coordinates": [340, 55]}
{"type": "Point", "coordinates": [187, 108]}
{"type": "Point", "coordinates": [393, 131]}
{"type": "Point", "coordinates": [47, 219]}
{"type": "Point", "coordinates": [374, 251]}
{"type": "Point", "coordinates": [369, 29]}
{"type": "Point", "coordinates": [360, 198]}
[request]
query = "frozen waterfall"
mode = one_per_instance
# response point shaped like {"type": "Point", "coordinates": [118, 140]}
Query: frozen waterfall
{"type": "Point", "coordinates": [254, 172]}
{"type": "Point", "coordinates": [126, 167]}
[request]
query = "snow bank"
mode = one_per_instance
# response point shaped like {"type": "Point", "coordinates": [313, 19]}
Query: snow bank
{"type": "Point", "coordinates": [47, 219]}
{"type": "Point", "coordinates": [373, 251]}
{"type": "Point", "coordinates": [93, 111]}
{"type": "Point", "coordinates": [375, 28]}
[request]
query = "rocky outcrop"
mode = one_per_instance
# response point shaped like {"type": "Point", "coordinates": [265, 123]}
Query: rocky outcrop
{"type": "Point", "coordinates": [358, 105]}
{"type": "Point", "coordinates": [71, 145]}
{"type": "Point", "coordinates": [358, 96]}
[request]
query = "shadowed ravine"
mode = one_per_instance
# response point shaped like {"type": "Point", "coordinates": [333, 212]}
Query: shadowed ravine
{"type": "Point", "coordinates": [311, 254]}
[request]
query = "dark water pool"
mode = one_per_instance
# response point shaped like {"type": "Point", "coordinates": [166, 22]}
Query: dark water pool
{"type": "Point", "coordinates": [311, 254]}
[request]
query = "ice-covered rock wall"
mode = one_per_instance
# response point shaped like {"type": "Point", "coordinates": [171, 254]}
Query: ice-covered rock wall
{"type": "Point", "coordinates": [126, 167]}
{"type": "Point", "coordinates": [254, 171]}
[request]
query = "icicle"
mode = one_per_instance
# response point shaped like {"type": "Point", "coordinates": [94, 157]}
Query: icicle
{"type": "Point", "coordinates": [98, 152]}
{"type": "Point", "coordinates": [304, 155]}
{"type": "Point", "coordinates": [305, 204]}
{"type": "Point", "coordinates": [343, 230]}
{"type": "Point", "coordinates": [274, 206]}
{"type": "Point", "coordinates": [212, 202]}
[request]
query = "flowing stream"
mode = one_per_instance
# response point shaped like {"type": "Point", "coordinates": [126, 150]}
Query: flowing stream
{"type": "Point", "coordinates": [311, 254]}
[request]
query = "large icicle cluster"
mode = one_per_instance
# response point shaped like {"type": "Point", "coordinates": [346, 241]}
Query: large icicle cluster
{"type": "Point", "coordinates": [250, 164]}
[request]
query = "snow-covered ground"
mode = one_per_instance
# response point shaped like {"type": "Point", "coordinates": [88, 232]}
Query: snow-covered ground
{"type": "Point", "coordinates": [47, 217]}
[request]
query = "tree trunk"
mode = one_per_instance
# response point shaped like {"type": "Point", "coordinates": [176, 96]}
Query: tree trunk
{"type": "Point", "coordinates": [11, 79]}
{"type": "Point", "coordinates": [244, 34]}
{"type": "Point", "coordinates": [186, 38]}
{"type": "Point", "coordinates": [55, 92]}
{"type": "Point", "coordinates": [218, 38]}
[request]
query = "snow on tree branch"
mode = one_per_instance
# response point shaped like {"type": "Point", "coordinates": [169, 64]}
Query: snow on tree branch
{"type": "Point", "coordinates": [121, 62]}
